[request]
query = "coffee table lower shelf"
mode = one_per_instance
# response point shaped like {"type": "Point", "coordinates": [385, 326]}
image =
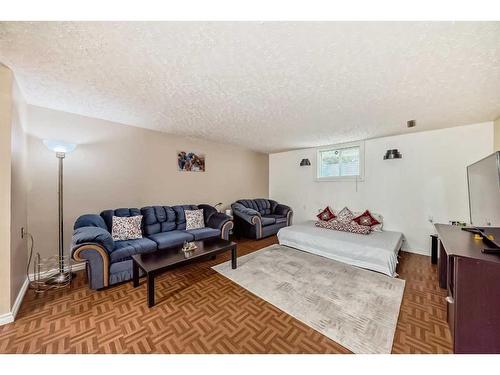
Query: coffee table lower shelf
{"type": "Point", "coordinates": [158, 262]}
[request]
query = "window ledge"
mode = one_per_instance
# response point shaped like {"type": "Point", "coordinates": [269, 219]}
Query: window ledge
{"type": "Point", "coordinates": [340, 179]}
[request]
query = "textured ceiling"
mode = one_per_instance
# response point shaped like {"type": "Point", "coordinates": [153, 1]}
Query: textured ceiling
{"type": "Point", "coordinates": [269, 86]}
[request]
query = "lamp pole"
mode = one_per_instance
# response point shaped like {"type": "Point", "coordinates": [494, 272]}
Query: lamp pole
{"type": "Point", "coordinates": [60, 156]}
{"type": "Point", "coordinates": [63, 276]}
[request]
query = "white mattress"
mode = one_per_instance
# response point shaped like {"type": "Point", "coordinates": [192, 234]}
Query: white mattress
{"type": "Point", "coordinates": [377, 251]}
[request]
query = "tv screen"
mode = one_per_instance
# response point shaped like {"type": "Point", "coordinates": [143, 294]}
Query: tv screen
{"type": "Point", "coordinates": [484, 191]}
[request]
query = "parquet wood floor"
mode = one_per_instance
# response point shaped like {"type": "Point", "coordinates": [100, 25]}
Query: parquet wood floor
{"type": "Point", "coordinates": [200, 311]}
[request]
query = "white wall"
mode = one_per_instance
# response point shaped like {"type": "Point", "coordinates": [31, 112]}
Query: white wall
{"type": "Point", "coordinates": [430, 180]}
{"type": "Point", "coordinates": [116, 166]}
{"type": "Point", "coordinates": [496, 144]}
{"type": "Point", "coordinates": [6, 79]}
{"type": "Point", "coordinates": [13, 192]}
{"type": "Point", "coordinates": [19, 193]}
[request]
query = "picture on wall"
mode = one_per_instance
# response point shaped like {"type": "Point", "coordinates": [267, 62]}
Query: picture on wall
{"type": "Point", "coordinates": [190, 162]}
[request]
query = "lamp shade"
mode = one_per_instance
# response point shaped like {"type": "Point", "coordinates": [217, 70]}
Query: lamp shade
{"type": "Point", "coordinates": [59, 146]}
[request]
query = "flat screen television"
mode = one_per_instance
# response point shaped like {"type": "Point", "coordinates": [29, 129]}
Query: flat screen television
{"type": "Point", "coordinates": [483, 178]}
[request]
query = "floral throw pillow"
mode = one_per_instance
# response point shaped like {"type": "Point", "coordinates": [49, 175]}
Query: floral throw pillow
{"type": "Point", "coordinates": [326, 215]}
{"type": "Point", "coordinates": [126, 228]}
{"type": "Point", "coordinates": [344, 227]}
{"type": "Point", "coordinates": [194, 219]}
{"type": "Point", "coordinates": [345, 216]}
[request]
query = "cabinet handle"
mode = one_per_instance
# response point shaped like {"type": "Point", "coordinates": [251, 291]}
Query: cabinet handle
{"type": "Point", "coordinates": [450, 300]}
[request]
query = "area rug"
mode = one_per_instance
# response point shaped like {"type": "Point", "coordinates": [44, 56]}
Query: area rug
{"type": "Point", "coordinates": [354, 307]}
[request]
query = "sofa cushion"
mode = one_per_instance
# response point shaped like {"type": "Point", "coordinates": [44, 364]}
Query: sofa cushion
{"type": "Point", "coordinates": [266, 220]}
{"type": "Point", "coordinates": [170, 239]}
{"type": "Point", "coordinates": [107, 215]}
{"type": "Point", "coordinates": [123, 250]}
{"type": "Point", "coordinates": [277, 218]}
{"type": "Point", "coordinates": [158, 219]}
{"type": "Point", "coordinates": [268, 230]}
{"type": "Point", "coordinates": [180, 215]}
{"type": "Point", "coordinates": [204, 233]}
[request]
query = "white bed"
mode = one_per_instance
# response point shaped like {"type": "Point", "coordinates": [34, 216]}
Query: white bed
{"type": "Point", "coordinates": [377, 251]}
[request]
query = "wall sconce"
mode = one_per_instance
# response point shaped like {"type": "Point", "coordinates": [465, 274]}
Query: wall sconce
{"type": "Point", "coordinates": [393, 154]}
{"type": "Point", "coordinates": [305, 163]}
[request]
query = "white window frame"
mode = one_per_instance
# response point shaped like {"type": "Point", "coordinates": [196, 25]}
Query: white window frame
{"type": "Point", "coordinates": [360, 177]}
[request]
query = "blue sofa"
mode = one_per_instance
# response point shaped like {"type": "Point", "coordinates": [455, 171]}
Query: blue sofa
{"type": "Point", "coordinates": [259, 218]}
{"type": "Point", "coordinates": [109, 262]}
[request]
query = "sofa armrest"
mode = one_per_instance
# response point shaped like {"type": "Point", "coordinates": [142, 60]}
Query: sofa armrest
{"type": "Point", "coordinates": [223, 222]}
{"type": "Point", "coordinates": [218, 220]}
{"type": "Point", "coordinates": [97, 259]}
{"type": "Point", "coordinates": [282, 209]}
{"type": "Point", "coordinates": [90, 220]}
{"type": "Point", "coordinates": [93, 245]}
{"type": "Point", "coordinates": [95, 235]}
{"type": "Point", "coordinates": [247, 214]}
{"type": "Point", "coordinates": [208, 212]}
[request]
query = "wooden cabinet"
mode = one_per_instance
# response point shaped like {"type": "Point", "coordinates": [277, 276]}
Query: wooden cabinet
{"type": "Point", "coordinates": [472, 280]}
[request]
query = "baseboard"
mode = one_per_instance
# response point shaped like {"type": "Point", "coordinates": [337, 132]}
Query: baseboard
{"type": "Point", "coordinates": [74, 267]}
{"type": "Point", "coordinates": [19, 298]}
{"type": "Point", "coordinates": [418, 251]}
{"type": "Point", "coordinates": [6, 318]}
{"type": "Point", "coordinates": [11, 316]}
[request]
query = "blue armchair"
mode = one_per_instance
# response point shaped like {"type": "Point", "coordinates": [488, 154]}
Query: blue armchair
{"type": "Point", "coordinates": [259, 218]}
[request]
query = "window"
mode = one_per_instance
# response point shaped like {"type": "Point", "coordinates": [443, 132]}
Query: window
{"type": "Point", "coordinates": [341, 162]}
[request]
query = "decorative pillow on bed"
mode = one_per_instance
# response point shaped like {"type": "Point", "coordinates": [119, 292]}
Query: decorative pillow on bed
{"type": "Point", "coordinates": [326, 215]}
{"type": "Point", "coordinates": [126, 228]}
{"type": "Point", "coordinates": [345, 216]}
{"type": "Point", "coordinates": [344, 227]}
{"type": "Point", "coordinates": [366, 219]}
{"type": "Point", "coordinates": [378, 217]}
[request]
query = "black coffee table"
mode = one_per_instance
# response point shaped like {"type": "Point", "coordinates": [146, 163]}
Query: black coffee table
{"type": "Point", "coordinates": [156, 263]}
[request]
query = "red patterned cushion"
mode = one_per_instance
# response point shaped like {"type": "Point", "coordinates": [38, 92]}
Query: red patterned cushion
{"type": "Point", "coordinates": [345, 227]}
{"type": "Point", "coordinates": [366, 219]}
{"type": "Point", "coordinates": [326, 215]}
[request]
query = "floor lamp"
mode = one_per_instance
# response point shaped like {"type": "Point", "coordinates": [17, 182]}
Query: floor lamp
{"type": "Point", "coordinates": [61, 149]}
